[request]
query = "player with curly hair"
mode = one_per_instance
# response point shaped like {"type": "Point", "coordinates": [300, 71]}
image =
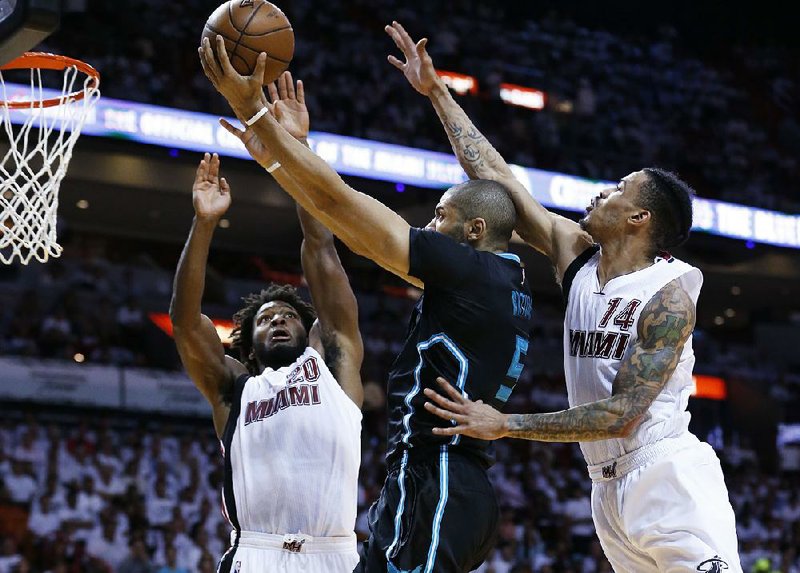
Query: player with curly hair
{"type": "Point", "coordinates": [287, 413]}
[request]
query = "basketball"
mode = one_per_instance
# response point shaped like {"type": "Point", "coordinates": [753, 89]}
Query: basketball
{"type": "Point", "coordinates": [250, 27]}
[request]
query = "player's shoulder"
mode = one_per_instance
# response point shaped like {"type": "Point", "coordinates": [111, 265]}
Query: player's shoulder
{"type": "Point", "coordinates": [572, 271]}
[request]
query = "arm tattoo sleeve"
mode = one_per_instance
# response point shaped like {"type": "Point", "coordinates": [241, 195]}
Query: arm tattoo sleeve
{"type": "Point", "coordinates": [477, 156]}
{"type": "Point", "coordinates": [664, 326]}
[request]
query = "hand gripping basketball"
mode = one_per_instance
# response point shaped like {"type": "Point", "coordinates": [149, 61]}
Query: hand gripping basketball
{"type": "Point", "coordinates": [244, 93]}
{"type": "Point", "coordinates": [250, 27]}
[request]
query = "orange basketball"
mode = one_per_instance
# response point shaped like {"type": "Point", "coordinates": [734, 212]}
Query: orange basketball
{"type": "Point", "coordinates": [250, 27]}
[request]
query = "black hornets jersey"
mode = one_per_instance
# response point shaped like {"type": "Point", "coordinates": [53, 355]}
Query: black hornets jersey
{"type": "Point", "coordinates": [471, 327]}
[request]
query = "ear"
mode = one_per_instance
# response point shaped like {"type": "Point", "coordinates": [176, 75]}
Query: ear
{"type": "Point", "coordinates": [639, 218]}
{"type": "Point", "coordinates": [476, 229]}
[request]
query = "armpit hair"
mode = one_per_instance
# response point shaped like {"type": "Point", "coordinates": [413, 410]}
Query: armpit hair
{"type": "Point", "coordinates": [333, 352]}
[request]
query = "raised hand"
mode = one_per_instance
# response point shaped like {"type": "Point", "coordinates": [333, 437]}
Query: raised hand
{"type": "Point", "coordinates": [211, 196]}
{"type": "Point", "coordinates": [245, 94]}
{"type": "Point", "coordinates": [473, 419]}
{"type": "Point", "coordinates": [289, 106]}
{"type": "Point", "coordinates": [418, 67]}
{"type": "Point", "coordinates": [255, 147]}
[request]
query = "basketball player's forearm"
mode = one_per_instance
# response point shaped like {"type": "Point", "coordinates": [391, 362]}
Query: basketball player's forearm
{"type": "Point", "coordinates": [362, 222]}
{"type": "Point", "coordinates": [308, 179]}
{"type": "Point", "coordinates": [477, 156]}
{"type": "Point", "coordinates": [190, 276]}
{"type": "Point", "coordinates": [316, 229]}
{"type": "Point", "coordinates": [589, 422]}
{"type": "Point", "coordinates": [480, 160]}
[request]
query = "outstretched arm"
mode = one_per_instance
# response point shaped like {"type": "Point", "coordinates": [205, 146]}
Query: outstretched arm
{"type": "Point", "coordinates": [557, 237]}
{"type": "Point", "coordinates": [363, 223]}
{"type": "Point", "coordinates": [336, 334]}
{"type": "Point", "coordinates": [336, 306]}
{"type": "Point", "coordinates": [664, 326]}
{"type": "Point", "coordinates": [199, 346]}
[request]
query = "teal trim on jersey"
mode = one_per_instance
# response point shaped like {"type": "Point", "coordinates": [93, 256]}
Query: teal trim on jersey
{"type": "Point", "coordinates": [393, 569]}
{"type": "Point", "coordinates": [503, 394]}
{"type": "Point", "coordinates": [510, 256]}
{"type": "Point", "coordinates": [437, 518]}
{"type": "Point", "coordinates": [400, 507]}
{"type": "Point", "coordinates": [461, 380]}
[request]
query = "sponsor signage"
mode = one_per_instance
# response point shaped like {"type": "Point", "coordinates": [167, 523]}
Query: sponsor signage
{"type": "Point", "coordinates": [199, 132]}
{"type": "Point", "coordinates": [521, 96]}
{"type": "Point", "coordinates": [461, 84]}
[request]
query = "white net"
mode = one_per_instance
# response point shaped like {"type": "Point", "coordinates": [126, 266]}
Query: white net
{"type": "Point", "coordinates": [40, 142]}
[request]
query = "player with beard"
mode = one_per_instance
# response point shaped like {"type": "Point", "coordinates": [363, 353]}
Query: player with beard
{"type": "Point", "coordinates": [659, 500]}
{"type": "Point", "coordinates": [288, 414]}
{"type": "Point", "coordinates": [437, 510]}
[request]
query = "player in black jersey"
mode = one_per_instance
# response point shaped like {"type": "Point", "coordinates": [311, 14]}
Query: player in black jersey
{"type": "Point", "coordinates": [437, 510]}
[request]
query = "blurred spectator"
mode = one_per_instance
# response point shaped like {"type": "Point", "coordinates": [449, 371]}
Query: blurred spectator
{"type": "Point", "coordinates": [137, 560]}
{"type": "Point", "coordinates": [171, 563]}
{"type": "Point", "coordinates": [9, 555]}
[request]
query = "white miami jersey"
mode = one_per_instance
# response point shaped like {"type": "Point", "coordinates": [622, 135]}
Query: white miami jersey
{"type": "Point", "coordinates": [600, 328]}
{"type": "Point", "coordinates": [292, 448]}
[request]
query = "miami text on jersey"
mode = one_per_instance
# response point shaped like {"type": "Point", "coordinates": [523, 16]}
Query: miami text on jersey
{"type": "Point", "coordinates": [299, 391]}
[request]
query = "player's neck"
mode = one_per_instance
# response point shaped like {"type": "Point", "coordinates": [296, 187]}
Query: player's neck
{"type": "Point", "coordinates": [621, 257]}
{"type": "Point", "coordinates": [489, 247]}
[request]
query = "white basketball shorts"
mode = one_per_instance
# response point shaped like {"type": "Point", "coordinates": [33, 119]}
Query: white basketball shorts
{"type": "Point", "coordinates": [264, 553]}
{"type": "Point", "coordinates": [665, 508]}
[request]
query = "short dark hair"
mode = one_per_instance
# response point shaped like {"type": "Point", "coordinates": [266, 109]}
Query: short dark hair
{"type": "Point", "coordinates": [669, 200]}
{"type": "Point", "coordinates": [490, 201]}
{"type": "Point", "coordinates": [242, 334]}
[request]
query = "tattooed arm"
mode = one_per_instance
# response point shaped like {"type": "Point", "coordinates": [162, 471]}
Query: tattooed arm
{"type": "Point", "coordinates": [664, 327]}
{"type": "Point", "coordinates": [557, 237]}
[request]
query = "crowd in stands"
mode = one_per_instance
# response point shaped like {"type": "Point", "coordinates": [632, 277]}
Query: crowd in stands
{"type": "Point", "coordinates": [127, 494]}
{"type": "Point", "coordinates": [617, 100]}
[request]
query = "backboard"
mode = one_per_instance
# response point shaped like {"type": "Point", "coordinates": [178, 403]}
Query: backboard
{"type": "Point", "coordinates": [24, 24]}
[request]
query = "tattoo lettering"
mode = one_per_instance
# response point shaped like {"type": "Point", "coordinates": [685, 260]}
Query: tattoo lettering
{"type": "Point", "coordinates": [454, 129]}
{"type": "Point", "coordinates": [477, 156]}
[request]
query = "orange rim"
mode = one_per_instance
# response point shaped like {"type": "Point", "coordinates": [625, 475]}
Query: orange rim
{"type": "Point", "coordinates": [44, 61]}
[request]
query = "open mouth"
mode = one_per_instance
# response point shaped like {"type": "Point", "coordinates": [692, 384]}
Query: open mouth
{"type": "Point", "coordinates": [280, 335]}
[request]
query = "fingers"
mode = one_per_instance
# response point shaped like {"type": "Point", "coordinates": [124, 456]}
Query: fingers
{"type": "Point", "coordinates": [224, 187]}
{"type": "Point", "coordinates": [301, 92]}
{"type": "Point", "coordinates": [213, 168]}
{"type": "Point", "coordinates": [261, 66]}
{"type": "Point", "coordinates": [222, 56]}
{"type": "Point", "coordinates": [209, 62]}
{"type": "Point", "coordinates": [451, 390]}
{"type": "Point", "coordinates": [289, 85]}
{"type": "Point", "coordinates": [273, 92]}
{"type": "Point", "coordinates": [202, 169]}
{"type": "Point", "coordinates": [231, 128]}
{"type": "Point", "coordinates": [396, 63]}
{"type": "Point", "coordinates": [395, 36]}
{"type": "Point", "coordinates": [451, 431]}
{"type": "Point", "coordinates": [421, 47]}
{"type": "Point", "coordinates": [442, 401]}
{"type": "Point", "coordinates": [283, 91]}
{"type": "Point", "coordinates": [405, 37]}
{"type": "Point", "coordinates": [445, 414]}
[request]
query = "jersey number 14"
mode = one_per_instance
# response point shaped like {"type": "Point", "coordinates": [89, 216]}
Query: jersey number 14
{"type": "Point", "coordinates": [625, 317]}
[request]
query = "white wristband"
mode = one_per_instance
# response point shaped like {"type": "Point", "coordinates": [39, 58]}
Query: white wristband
{"type": "Point", "coordinates": [273, 167]}
{"type": "Point", "coordinates": [259, 114]}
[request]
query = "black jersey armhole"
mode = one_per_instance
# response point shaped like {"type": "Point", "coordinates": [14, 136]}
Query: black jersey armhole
{"type": "Point", "coordinates": [227, 440]}
{"type": "Point", "coordinates": [572, 270]}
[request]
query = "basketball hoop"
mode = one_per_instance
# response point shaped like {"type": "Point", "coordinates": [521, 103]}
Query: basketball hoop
{"type": "Point", "coordinates": [39, 152]}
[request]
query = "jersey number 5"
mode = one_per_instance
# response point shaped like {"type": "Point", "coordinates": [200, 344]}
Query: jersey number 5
{"type": "Point", "coordinates": [514, 371]}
